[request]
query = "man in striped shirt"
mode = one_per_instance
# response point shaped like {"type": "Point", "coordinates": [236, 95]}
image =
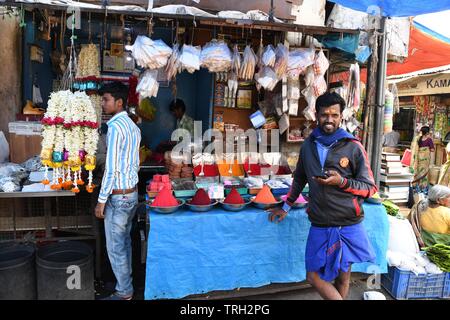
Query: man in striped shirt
{"type": "Point", "coordinates": [118, 198]}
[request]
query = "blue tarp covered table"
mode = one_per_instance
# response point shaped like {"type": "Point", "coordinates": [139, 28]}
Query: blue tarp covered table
{"type": "Point", "coordinates": [194, 253]}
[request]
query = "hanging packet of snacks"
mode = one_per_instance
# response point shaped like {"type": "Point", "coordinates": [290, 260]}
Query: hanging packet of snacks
{"type": "Point", "coordinates": [88, 62]}
{"type": "Point", "coordinates": [269, 56]}
{"type": "Point", "coordinates": [190, 58]}
{"type": "Point", "coordinates": [248, 65]}
{"type": "Point", "coordinates": [310, 98]}
{"type": "Point", "coordinates": [267, 78]}
{"type": "Point", "coordinates": [236, 60]}
{"type": "Point", "coordinates": [319, 86]}
{"type": "Point", "coordinates": [309, 76]}
{"type": "Point", "coordinates": [148, 53]}
{"type": "Point", "coordinates": [281, 61]}
{"type": "Point", "coordinates": [148, 85]}
{"type": "Point", "coordinates": [321, 63]}
{"type": "Point", "coordinates": [299, 60]}
{"type": "Point", "coordinates": [216, 56]}
{"type": "Point", "coordinates": [173, 65]}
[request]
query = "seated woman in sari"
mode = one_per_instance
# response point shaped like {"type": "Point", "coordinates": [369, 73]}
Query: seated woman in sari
{"type": "Point", "coordinates": [421, 149]}
{"type": "Point", "coordinates": [430, 218]}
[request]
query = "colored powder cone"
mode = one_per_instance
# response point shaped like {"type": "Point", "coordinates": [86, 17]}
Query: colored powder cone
{"type": "Point", "coordinates": [234, 197]}
{"type": "Point", "coordinates": [300, 199]}
{"type": "Point", "coordinates": [265, 196]}
{"type": "Point", "coordinates": [165, 199]}
{"type": "Point", "coordinates": [201, 198]}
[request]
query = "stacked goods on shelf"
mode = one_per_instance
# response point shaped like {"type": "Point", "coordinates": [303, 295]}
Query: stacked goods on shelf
{"type": "Point", "coordinates": [158, 183]}
{"type": "Point", "coordinates": [184, 188]}
{"type": "Point", "coordinates": [177, 167]}
{"type": "Point", "coordinates": [395, 178]}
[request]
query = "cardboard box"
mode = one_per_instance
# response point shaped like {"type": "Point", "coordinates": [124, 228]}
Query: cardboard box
{"type": "Point", "coordinates": [23, 147]}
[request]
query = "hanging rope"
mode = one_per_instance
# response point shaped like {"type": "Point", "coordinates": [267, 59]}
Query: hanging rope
{"type": "Point", "coordinates": [22, 17]}
{"type": "Point", "coordinates": [90, 31]}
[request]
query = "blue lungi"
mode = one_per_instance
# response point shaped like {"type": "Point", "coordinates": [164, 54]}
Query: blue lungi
{"type": "Point", "coordinates": [332, 250]}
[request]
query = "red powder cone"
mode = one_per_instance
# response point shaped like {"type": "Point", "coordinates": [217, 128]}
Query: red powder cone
{"type": "Point", "coordinates": [201, 198]}
{"type": "Point", "coordinates": [234, 197]}
{"type": "Point", "coordinates": [265, 196]}
{"type": "Point", "coordinates": [165, 199]}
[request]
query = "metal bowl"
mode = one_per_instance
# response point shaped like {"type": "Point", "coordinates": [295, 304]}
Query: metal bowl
{"type": "Point", "coordinates": [200, 208]}
{"type": "Point", "coordinates": [265, 206]}
{"type": "Point", "coordinates": [234, 207]}
{"type": "Point", "coordinates": [167, 210]}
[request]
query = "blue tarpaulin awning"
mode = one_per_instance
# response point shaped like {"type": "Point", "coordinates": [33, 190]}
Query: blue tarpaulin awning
{"type": "Point", "coordinates": [395, 8]}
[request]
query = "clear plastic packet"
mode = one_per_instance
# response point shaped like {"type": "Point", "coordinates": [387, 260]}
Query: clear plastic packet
{"type": "Point", "coordinates": [269, 56]}
{"type": "Point", "coordinates": [319, 86]}
{"type": "Point", "coordinates": [216, 56]}
{"type": "Point", "coordinates": [190, 58]}
{"type": "Point", "coordinates": [173, 65]}
{"type": "Point", "coordinates": [321, 63]}
{"type": "Point", "coordinates": [281, 61]}
{"type": "Point", "coordinates": [150, 54]}
{"type": "Point", "coordinates": [148, 84]}
{"type": "Point", "coordinates": [236, 60]}
{"type": "Point", "coordinates": [248, 65]}
{"type": "Point", "coordinates": [299, 60]}
{"type": "Point", "coordinates": [267, 78]}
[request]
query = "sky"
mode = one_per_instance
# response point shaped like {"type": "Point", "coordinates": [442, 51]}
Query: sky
{"type": "Point", "coordinates": [438, 22]}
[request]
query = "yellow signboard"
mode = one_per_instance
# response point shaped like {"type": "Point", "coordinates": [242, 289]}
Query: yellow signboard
{"type": "Point", "coordinates": [425, 85]}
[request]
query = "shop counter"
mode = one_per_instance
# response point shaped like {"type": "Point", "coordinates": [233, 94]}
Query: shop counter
{"type": "Point", "coordinates": [195, 253]}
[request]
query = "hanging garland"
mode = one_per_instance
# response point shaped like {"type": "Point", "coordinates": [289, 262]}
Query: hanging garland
{"type": "Point", "coordinates": [70, 138]}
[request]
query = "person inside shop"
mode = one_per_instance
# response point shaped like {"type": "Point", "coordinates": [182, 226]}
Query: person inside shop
{"type": "Point", "coordinates": [178, 110]}
{"type": "Point", "coordinates": [421, 149]}
{"type": "Point", "coordinates": [430, 218]}
{"type": "Point", "coordinates": [444, 173]}
{"type": "Point", "coordinates": [118, 198]}
{"type": "Point", "coordinates": [335, 165]}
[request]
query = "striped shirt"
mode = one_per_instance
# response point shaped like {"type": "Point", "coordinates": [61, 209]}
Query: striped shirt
{"type": "Point", "coordinates": [122, 156]}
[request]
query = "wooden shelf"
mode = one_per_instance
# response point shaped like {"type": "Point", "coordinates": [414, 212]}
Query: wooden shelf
{"type": "Point", "coordinates": [228, 108]}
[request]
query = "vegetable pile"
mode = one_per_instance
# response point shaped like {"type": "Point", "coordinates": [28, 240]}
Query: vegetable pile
{"type": "Point", "coordinates": [439, 254]}
{"type": "Point", "coordinates": [391, 208]}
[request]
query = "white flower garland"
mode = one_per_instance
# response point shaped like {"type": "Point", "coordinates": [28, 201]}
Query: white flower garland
{"type": "Point", "coordinates": [70, 124]}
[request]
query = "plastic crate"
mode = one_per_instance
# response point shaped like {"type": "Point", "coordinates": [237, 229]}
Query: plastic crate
{"type": "Point", "coordinates": [406, 285]}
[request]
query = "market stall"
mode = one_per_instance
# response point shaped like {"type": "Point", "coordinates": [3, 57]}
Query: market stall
{"type": "Point", "coordinates": [194, 253]}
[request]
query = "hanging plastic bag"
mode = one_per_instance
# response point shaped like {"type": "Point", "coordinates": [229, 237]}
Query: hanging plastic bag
{"type": "Point", "coordinates": [190, 58]}
{"type": "Point", "coordinates": [310, 110]}
{"type": "Point", "coordinates": [150, 54]}
{"type": "Point", "coordinates": [309, 77]}
{"type": "Point", "coordinates": [148, 84]}
{"type": "Point", "coordinates": [299, 60]}
{"type": "Point", "coordinates": [248, 65]}
{"type": "Point", "coordinates": [267, 78]}
{"type": "Point", "coordinates": [173, 65]}
{"type": "Point", "coordinates": [269, 56]}
{"type": "Point", "coordinates": [281, 61]}
{"type": "Point", "coordinates": [236, 60]}
{"type": "Point", "coordinates": [216, 56]}
{"type": "Point", "coordinates": [321, 63]}
{"type": "Point", "coordinates": [319, 86]}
